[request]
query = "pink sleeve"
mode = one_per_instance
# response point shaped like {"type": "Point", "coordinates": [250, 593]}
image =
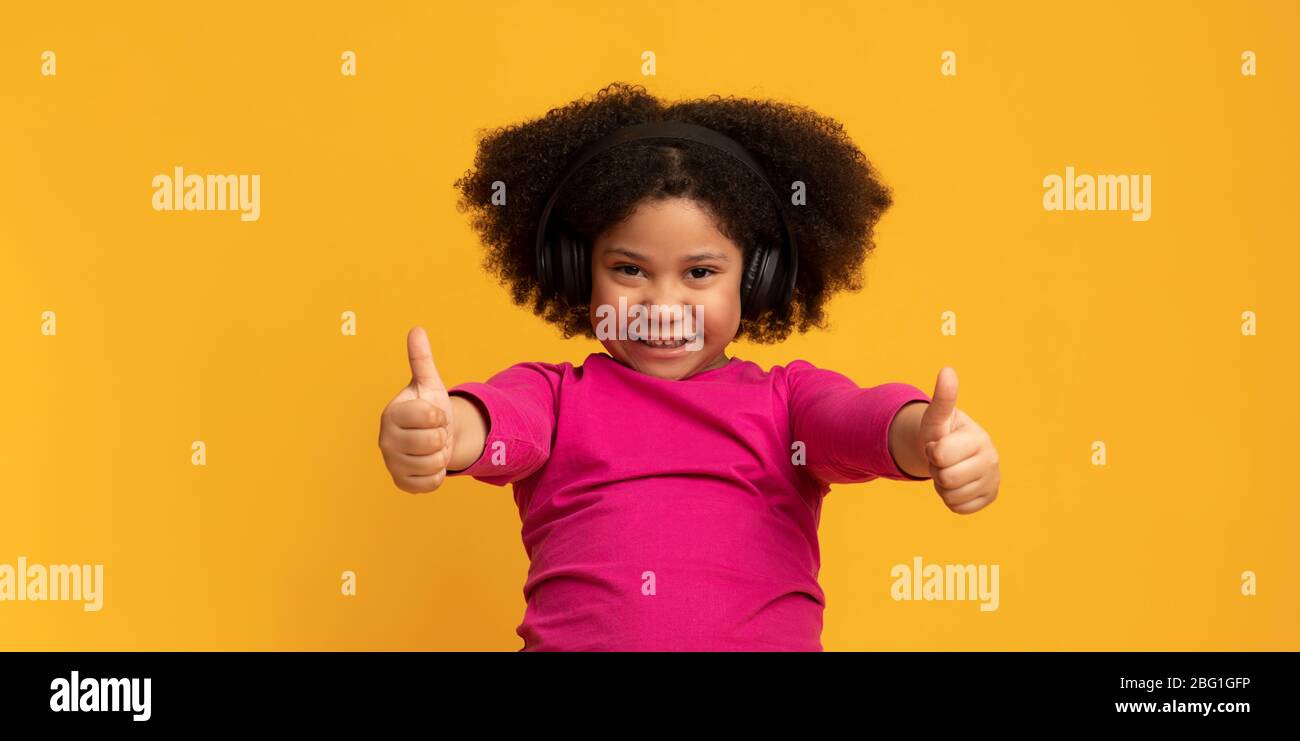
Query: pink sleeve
{"type": "Point", "coordinates": [845, 428]}
{"type": "Point", "coordinates": [520, 405]}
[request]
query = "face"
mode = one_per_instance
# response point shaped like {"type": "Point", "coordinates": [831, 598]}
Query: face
{"type": "Point", "coordinates": [669, 254]}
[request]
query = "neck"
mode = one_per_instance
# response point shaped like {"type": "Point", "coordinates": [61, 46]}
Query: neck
{"type": "Point", "coordinates": [718, 362]}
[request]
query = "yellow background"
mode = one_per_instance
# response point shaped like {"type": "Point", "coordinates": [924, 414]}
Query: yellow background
{"type": "Point", "coordinates": [1073, 327]}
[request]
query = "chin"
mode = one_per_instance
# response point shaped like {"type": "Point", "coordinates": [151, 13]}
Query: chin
{"type": "Point", "coordinates": [670, 365]}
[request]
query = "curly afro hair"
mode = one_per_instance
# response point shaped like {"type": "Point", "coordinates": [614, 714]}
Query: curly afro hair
{"type": "Point", "coordinates": [833, 230]}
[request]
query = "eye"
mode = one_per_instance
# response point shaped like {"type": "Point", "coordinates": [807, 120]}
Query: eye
{"type": "Point", "coordinates": [627, 267]}
{"type": "Point", "coordinates": [707, 273]}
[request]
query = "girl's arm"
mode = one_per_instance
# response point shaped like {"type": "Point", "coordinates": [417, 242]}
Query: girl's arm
{"type": "Point", "coordinates": [856, 434]}
{"type": "Point", "coordinates": [905, 440]}
{"type": "Point", "coordinates": [847, 431]}
{"type": "Point", "coordinates": [469, 432]}
{"type": "Point", "coordinates": [429, 432]}
{"type": "Point", "coordinates": [505, 425]}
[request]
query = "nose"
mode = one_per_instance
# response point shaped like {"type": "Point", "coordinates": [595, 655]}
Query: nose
{"type": "Point", "coordinates": [664, 291]}
{"type": "Point", "coordinates": [668, 308]}
{"type": "Point", "coordinates": [657, 294]}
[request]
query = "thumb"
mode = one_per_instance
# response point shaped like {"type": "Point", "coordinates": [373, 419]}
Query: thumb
{"type": "Point", "coordinates": [424, 374]}
{"type": "Point", "coordinates": [936, 421]}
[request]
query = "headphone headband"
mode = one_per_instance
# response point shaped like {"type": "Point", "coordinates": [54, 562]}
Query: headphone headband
{"type": "Point", "coordinates": [764, 283]}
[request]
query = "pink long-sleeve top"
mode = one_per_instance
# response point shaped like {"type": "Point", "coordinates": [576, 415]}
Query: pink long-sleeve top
{"type": "Point", "coordinates": [677, 515]}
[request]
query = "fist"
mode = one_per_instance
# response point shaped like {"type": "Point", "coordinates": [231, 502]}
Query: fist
{"type": "Point", "coordinates": [415, 429]}
{"type": "Point", "coordinates": [963, 461]}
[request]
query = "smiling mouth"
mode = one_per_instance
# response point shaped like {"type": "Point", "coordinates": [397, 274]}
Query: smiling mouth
{"type": "Point", "coordinates": [666, 344]}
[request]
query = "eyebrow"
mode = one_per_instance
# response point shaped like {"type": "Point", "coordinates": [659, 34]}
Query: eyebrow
{"type": "Point", "coordinates": [693, 257]}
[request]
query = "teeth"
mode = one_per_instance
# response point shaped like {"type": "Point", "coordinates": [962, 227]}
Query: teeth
{"type": "Point", "coordinates": [665, 343]}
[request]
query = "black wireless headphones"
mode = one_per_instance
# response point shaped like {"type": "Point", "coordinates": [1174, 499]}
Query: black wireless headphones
{"type": "Point", "coordinates": [563, 257]}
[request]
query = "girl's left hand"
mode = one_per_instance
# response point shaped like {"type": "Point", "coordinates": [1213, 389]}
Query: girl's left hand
{"type": "Point", "coordinates": [963, 461]}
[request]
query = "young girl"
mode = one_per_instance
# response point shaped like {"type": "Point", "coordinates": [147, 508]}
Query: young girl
{"type": "Point", "coordinates": [670, 494]}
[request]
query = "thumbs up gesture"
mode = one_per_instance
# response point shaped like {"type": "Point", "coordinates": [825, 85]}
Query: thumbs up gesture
{"type": "Point", "coordinates": [415, 430]}
{"type": "Point", "coordinates": [963, 462]}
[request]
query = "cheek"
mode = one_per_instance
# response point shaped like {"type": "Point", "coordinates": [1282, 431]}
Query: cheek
{"type": "Point", "coordinates": [603, 291]}
{"type": "Point", "coordinates": [722, 312]}
{"type": "Point", "coordinates": [606, 289]}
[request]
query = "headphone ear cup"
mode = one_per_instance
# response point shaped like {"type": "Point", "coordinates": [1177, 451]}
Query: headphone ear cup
{"type": "Point", "coordinates": [750, 291]}
{"type": "Point", "coordinates": [581, 270]}
{"type": "Point", "coordinates": [584, 270]}
{"type": "Point", "coordinates": [545, 265]}
{"type": "Point", "coordinates": [575, 272]}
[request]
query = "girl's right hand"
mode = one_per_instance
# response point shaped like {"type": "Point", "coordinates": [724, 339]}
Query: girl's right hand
{"type": "Point", "coordinates": [415, 430]}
